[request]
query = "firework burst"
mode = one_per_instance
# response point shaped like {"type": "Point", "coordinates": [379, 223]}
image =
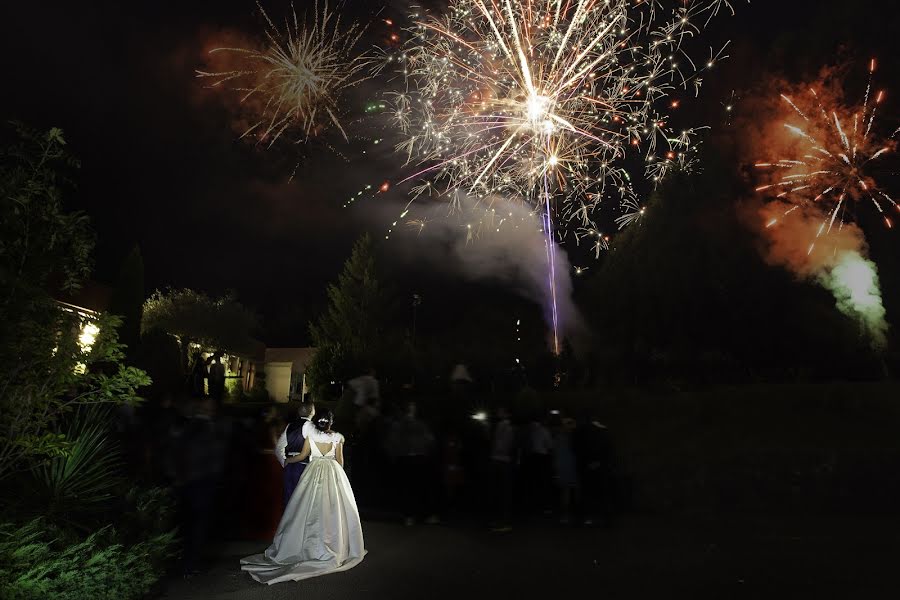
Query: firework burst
{"type": "Point", "coordinates": [295, 81]}
{"type": "Point", "coordinates": [542, 100]}
{"type": "Point", "coordinates": [833, 160]}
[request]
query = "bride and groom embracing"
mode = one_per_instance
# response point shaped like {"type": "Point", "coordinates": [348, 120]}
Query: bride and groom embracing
{"type": "Point", "coordinates": [320, 530]}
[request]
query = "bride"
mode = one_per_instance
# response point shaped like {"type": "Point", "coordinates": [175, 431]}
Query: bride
{"type": "Point", "coordinates": [320, 531]}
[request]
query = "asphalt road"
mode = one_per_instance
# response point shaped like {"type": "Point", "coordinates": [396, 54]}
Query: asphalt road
{"type": "Point", "coordinates": [641, 557]}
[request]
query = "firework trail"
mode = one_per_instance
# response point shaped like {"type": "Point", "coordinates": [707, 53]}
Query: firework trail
{"type": "Point", "coordinates": [293, 84]}
{"type": "Point", "coordinates": [542, 100]}
{"type": "Point", "coordinates": [832, 162]}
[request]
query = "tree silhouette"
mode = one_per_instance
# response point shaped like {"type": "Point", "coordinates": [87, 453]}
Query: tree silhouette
{"type": "Point", "coordinates": [128, 299]}
{"type": "Point", "coordinates": [348, 335]}
{"type": "Point", "coordinates": [193, 317]}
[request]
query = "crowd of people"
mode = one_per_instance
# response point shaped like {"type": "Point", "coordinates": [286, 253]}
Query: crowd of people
{"type": "Point", "coordinates": [488, 465]}
{"type": "Point", "coordinates": [420, 460]}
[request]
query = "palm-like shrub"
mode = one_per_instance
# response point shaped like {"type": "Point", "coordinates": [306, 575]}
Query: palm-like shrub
{"type": "Point", "coordinates": [72, 489]}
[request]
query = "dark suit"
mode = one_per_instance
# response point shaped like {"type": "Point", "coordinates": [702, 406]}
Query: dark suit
{"type": "Point", "coordinates": [293, 471]}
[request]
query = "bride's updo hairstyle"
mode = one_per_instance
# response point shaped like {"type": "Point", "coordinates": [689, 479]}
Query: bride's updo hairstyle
{"type": "Point", "coordinates": [323, 419]}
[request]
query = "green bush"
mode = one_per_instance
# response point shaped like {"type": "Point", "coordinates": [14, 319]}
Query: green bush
{"type": "Point", "coordinates": [75, 488]}
{"type": "Point", "coordinates": [145, 512]}
{"type": "Point", "coordinates": [36, 562]}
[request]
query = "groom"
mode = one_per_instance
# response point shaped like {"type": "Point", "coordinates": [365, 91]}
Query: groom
{"type": "Point", "coordinates": [291, 443]}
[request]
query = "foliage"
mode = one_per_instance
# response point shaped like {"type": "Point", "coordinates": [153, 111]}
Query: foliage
{"type": "Point", "coordinates": [348, 335]}
{"type": "Point", "coordinates": [160, 356]}
{"type": "Point", "coordinates": [36, 394]}
{"type": "Point", "coordinates": [128, 299]}
{"type": "Point", "coordinates": [220, 323]}
{"type": "Point", "coordinates": [257, 393]}
{"type": "Point", "coordinates": [683, 295]}
{"type": "Point", "coordinates": [73, 488]}
{"type": "Point", "coordinates": [40, 357]}
{"type": "Point", "coordinates": [37, 238]}
{"type": "Point", "coordinates": [145, 512]}
{"type": "Point", "coordinates": [36, 562]}
{"type": "Point", "coordinates": [54, 371]}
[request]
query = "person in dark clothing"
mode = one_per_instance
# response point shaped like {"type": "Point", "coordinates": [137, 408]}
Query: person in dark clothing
{"type": "Point", "coordinates": [411, 443]}
{"type": "Point", "coordinates": [291, 443]}
{"type": "Point", "coordinates": [198, 376]}
{"type": "Point", "coordinates": [537, 465]}
{"type": "Point", "coordinates": [163, 421]}
{"type": "Point", "coordinates": [202, 447]}
{"type": "Point", "coordinates": [217, 379]}
{"type": "Point", "coordinates": [594, 452]}
{"type": "Point", "coordinates": [503, 463]}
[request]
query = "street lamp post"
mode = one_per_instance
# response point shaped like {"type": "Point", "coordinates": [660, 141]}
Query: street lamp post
{"type": "Point", "coordinates": [416, 301]}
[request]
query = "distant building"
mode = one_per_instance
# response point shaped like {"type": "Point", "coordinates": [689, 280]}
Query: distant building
{"type": "Point", "coordinates": [88, 303]}
{"type": "Point", "coordinates": [285, 370]}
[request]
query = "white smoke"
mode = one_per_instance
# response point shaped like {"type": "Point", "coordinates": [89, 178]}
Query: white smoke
{"type": "Point", "coordinates": [854, 282]}
{"type": "Point", "coordinates": [502, 242]}
{"type": "Point", "coordinates": [836, 260]}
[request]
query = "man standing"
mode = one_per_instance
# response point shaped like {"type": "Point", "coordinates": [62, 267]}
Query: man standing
{"type": "Point", "coordinates": [217, 379]}
{"type": "Point", "coordinates": [291, 443]}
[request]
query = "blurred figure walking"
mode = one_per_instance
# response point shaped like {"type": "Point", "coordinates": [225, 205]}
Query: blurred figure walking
{"type": "Point", "coordinates": [202, 447]}
{"type": "Point", "coordinates": [594, 453]}
{"type": "Point", "coordinates": [410, 444]}
{"type": "Point", "coordinates": [566, 468]}
{"type": "Point", "coordinates": [503, 449]}
{"type": "Point", "coordinates": [537, 465]}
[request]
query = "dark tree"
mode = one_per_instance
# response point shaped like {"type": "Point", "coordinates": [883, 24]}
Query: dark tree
{"type": "Point", "coordinates": [193, 317]}
{"type": "Point", "coordinates": [52, 359]}
{"type": "Point", "coordinates": [128, 299]}
{"type": "Point", "coordinates": [348, 336]}
{"type": "Point", "coordinates": [684, 295]}
{"type": "Point", "coordinates": [41, 245]}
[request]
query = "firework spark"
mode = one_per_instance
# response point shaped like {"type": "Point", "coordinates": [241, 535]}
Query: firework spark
{"type": "Point", "coordinates": [542, 100]}
{"type": "Point", "coordinates": [294, 83]}
{"type": "Point", "coordinates": [833, 160]}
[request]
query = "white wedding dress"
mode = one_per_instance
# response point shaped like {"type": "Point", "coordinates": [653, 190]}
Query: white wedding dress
{"type": "Point", "coordinates": [320, 531]}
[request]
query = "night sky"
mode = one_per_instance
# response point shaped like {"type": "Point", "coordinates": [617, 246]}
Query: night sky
{"type": "Point", "coordinates": [163, 168]}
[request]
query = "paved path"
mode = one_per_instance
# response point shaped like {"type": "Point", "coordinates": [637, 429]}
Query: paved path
{"type": "Point", "coordinates": [640, 558]}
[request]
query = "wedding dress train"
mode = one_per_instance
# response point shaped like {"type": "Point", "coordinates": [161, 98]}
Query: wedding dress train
{"type": "Point", "coordinates": [320, 531]}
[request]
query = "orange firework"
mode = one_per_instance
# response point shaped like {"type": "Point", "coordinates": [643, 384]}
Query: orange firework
{"type": "Point", "coordinates": [833, 158]}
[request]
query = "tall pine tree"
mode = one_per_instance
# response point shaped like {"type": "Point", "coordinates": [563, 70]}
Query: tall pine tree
{"type": "Point", "coordinates": [348, 335]}
{"type": "Point", "coordinates": [128, 299]}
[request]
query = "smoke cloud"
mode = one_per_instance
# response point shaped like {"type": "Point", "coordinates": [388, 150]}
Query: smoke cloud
{"type": "Point", "coordinates": [508, 248]}
{"type": "Point", "coordinates": [799, 232]}
{"type": "Point", "coordinates": [838, 263]}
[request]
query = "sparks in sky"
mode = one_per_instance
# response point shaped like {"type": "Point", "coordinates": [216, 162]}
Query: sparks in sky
{"type": "Point", "coordinates": [834, 156]}
{"type": "Point", "coordinates": [294, 82]}
{"type": "Point", "coordinates": [543, 100]}
{"type": "Point", "coordinates": [540, 101]}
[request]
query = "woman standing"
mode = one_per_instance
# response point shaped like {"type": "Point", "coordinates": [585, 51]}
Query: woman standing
{"type": "Point", "coordinates": [264, 474]}
{"type": "Point", "coordinates": [320, 531]}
